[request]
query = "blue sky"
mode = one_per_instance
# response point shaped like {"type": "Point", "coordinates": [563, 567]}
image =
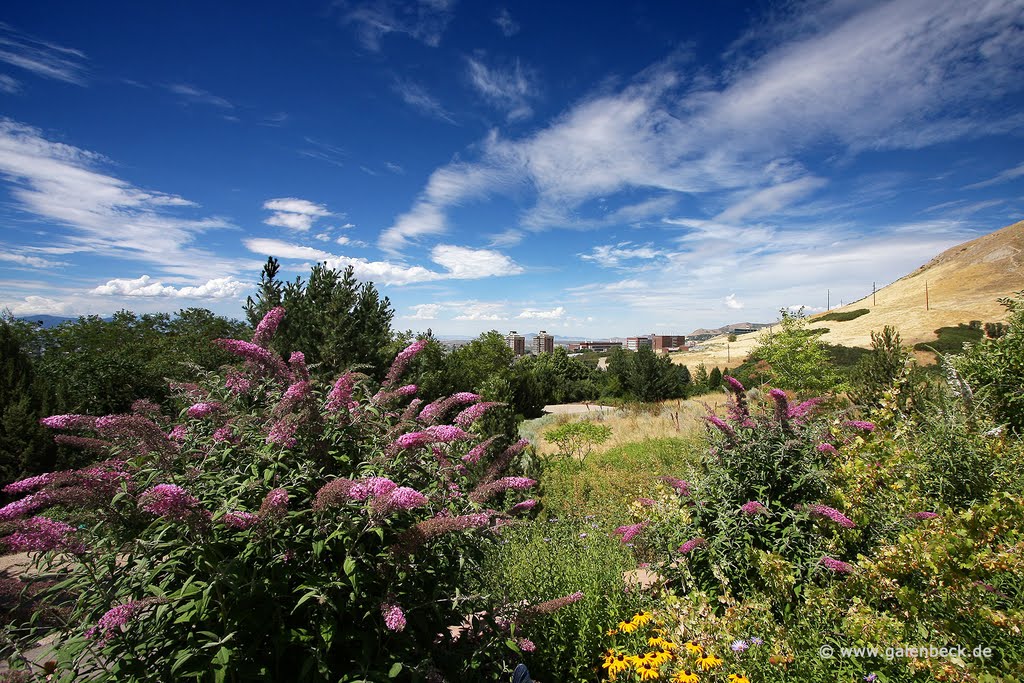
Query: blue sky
{"type": "Point", "coordinates": [593, 169]}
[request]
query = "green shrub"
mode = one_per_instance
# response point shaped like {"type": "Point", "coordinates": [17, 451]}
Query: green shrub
{"type": "Point", "coordinates": [549, 559]}
{"type": "Point", "coordinates": [576, 440]}
{"type": "Point", "coordinates": [951, 339]}
{"type": "Point", "coordinates": [280, 531]}
{"type": "Point", "coordinates": [843, 316]}
{"type": "Point", "coordinates": [794, 358]}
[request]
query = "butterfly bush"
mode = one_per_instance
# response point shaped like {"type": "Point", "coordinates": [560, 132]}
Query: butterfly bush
{"type": "Point", "coordinates": [281, 521]}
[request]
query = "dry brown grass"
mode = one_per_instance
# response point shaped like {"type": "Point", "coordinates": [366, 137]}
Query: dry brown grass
{"type": "Point", "coordinates": [668, 419]}
{"type": "Point", "coordinates": [964, 284]}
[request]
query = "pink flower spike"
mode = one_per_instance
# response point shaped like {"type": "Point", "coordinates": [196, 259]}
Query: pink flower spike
{"type": "Point", "coordinates": [692, 544]}
{"type": "Point", "coordinates": [629, 531]}
{"type": "Point", "coordinates": [204, 409]}
{"type": "Point", "coordinates": [827, 448]}
{"type": "Point", "coordinates": [268, 326]}
{"type": "Point", "coordinates": [394, 617]}
{"type": "Point", "coordinates": [837, 566]}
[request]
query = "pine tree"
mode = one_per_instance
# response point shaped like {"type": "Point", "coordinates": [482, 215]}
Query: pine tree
{"type": "Point", "coordinates": [25, 446]}
{"type": "Point", "coordinates": [714, 379]}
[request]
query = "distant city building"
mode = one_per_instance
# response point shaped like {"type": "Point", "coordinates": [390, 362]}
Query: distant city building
{"type": "Point", "coordinates": [516, 342]}
{"type": "Point", "coordinates": [743, 329]}
{"type": "Point", "coordinates": [663, 343]}
{"type": "Point", "coordinates": [634, 343]}
{"type": "Point", "coordinates": [543, 343]}
{"type": "Point", "coordinates": [596, 346]}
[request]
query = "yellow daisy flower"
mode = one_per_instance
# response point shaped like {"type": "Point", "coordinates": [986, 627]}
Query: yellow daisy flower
{"type": "Point", "coordinates": [685, 676]}
{"type": "Point", "coordinates": [627, 626]}
{"type": "Point", "coordinates": [612, 631]}
{"type": "Point", "coordinates": [738, 678]}
{"type": "Point", "coordinates": [709, 662]}
{"type": "Point", "coordinates": [642, 618]}
{"type": "Point", "coordinates": [658, 658]}
{"type": "Point", "coordinates": [615, 662]}
{"type": "Point", "coordinates": [694, 648]}
{"type": "Point", "coordinates": [647, 669]}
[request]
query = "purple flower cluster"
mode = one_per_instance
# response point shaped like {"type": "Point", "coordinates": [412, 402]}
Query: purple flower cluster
{"type": "Point", "coordinates": [69, 422]}
{"type": "Point", "coordinates": [297, 362]}
{"type": "Point", "coordinates": [255, 354]}
{"type": "Point", "coordinates": [837, 566]}
{"type": "Point", "coordinates": [802, 409]}
{"type": "Point", "coordinates": [410, 540]}
{"type": "Point", "coordinates": [117, 617]}
{"type": "Point", "coordinates": [29, 484]}
{"type": "Point", "coordinates": [863, 425]}
{"type": "Point", "coordinates": [24, 506]}
{"type": "Point", "coordinates": [42, 534]}
{"type": "Point", "coordinates": [525, 506]}
{"type": "Point", "coordinates": [282, 432]}
{"type": "Point", "coordinates": [692, 544]}
{"type": "Point", "coordinates": [394, 617]}
{"type": "Point", "coordinates": [401, 498]}
{"type": "Point", "coordinates": [827, 448]}
{"type": "Point", "coordinates": [484, 492]}
{"type": "Point", "coordinates": [240, 520]}
{"type": "Point", "coordinates": [268, 326]}
{"type": "Point", "coordinates": [341, 394]}
{"type": "Point", "coordinates": [500, 463]}
{"type": "Point", "coordinates": [753, 508]}
{"type": "Point", "coordinates": [83, 442]}
{"type": "Point", "coordinates": [733, 384]}
{"type": "Point", "coordinates": [225, 433]}
{"type": "Point", "coordinates": [474, 454]}
{"type": "Point", "coordinates": [628, 532]}
{"type": "Point", "coordinates": [172, 502]}
{"type": "Point", "coordinates": [372, 487]}
{"type": "Point", "coordinates": [412, 440]}
{"type": "Point", "coordinates": [832, 514]}
{"type": "Point", "coordinates": [402, 361]}
{"type": "Point", "coordinates": [781, 405]}
{"type": "Point", "coordinates": [237, 383]}
{"type": "Point", "coordinates": [203, 410]}
{"type": "Point", "coordinates": [681, 486]}
{"type": "Point", "coordinates": [722, 426]}
{"type": "Point", "coordinates": [550, 606]}
{"type": "Point", "coordinates": [526, 645]}
{"type": "Point", "coordinates": [275, 504]}
{"type": "Point", "coordinates": [298, 391]}
{"type": "Point", "coordinates": [646, 502]}
{"type": "Point", "coordinates": [473, 413]}
{"type": "Point", "coordinates": [447, 433]}
{"type": "Point", "coordinates": [923, 515]}
{"type": "Point", "coordinates": [178, 433]}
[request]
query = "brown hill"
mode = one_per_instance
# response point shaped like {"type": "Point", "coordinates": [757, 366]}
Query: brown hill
{"type": "Point", "coordinates": [963, 284]}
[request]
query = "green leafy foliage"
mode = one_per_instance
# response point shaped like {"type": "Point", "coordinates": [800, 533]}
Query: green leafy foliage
{"type": "Point", "coordinates": [794, 358]}
{"type": "Point", "coordinates": [843, 316]}
{"type": "Point", "coordinates": [951, 339]}
{"type": "Point", "coordinates": [576, 440]}
{"type": "Point", "coordinates": [645, 376]}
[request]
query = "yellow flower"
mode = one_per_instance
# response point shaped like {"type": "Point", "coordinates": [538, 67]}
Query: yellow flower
{"type": "Point", "coordinates": [615, 662]}
{"type": "Point", "coordinates": [694, 648]}
{"type": "Point", "coordinates": [642, 618]}
{"type": "Point", "coordinates": [709, 662]}
{"type": "Point", "coordinates": [647, 669]}
{"type": "Point", "coordinates": [612, 632]}
{"type": "Point", "coordinates": [658, 658]}
{"type": "Point", "coordinates": [662, 643]}
{"type": "Point", "coordinates": [738, 678]}
{"type": "Point", "coordinates": [627, 626]}
{"type": "Point", "coordinates": [685, 676]}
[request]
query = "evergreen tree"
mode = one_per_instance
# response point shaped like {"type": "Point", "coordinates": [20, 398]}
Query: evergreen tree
{"type": "Point", "coordinates": [714, 379]}
{"type": "Point", "coordinates": [25, 446]}
{"type": "Point", "coordinates": [700, 378]}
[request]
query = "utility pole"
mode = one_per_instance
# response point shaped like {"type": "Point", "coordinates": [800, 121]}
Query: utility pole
{"type": "Point", "coordinates": [728, 353]}
{"type": "Point", "coordinates": [927, 306]}
{"type": "Point", "coordinates": [873, 302]}
{"type": "Point", "coordinates": [828, 299]}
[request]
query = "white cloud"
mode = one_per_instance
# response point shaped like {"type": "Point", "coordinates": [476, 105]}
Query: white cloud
{"type": "Point", "coordinates": [44, 59]}
{"type": "Point", "coordinates": [419, 99]}
{"type": "Point", "coordinates": [36, 305]}
{"type": "Point", "coordinates": [612, 255]}
{"type": "Point", "coordinates": [463, 263]}
{"type": "Point", "coordinates": [423, 20]}
{"type": "Point", "coordinates": [731, 302]}
{"type": "Point", "coordinates": [104, 215]}
{"type": "Point", "coordinates": [30, 261]}
{"type": "Point", "coordinates": [425, 312]}
{"type": "Point", "coordinates": [194, 95]}
{"type": "Point", "coordinates": [506, 23]}
{"type": "Point", "coordinates": [1005, 176]}
{"type": "Point", "coordinates": [506, 238]}
{"type": "Point", "coordinates": [533, 314]}
{"type": "Point", "coordinates": [508, 88]}
{"type": "Point", "coordinates": [459, 263]}
{"type": "Point", "coordinates": [293, 213]}
{"type": "Point", "coordinates": [9, 85]}
{"type": "Point", "coordinates": [285, 250]}
{"type": "Point", "coordinates": [842, 76]}
{"type": "Point", "coordinates": [480, 311]}
{"type": "Point", "coordinates": [145, 286]}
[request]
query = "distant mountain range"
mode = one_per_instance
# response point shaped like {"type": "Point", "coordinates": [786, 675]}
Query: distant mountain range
{"type": "Point", "coordinates": [46, 321]}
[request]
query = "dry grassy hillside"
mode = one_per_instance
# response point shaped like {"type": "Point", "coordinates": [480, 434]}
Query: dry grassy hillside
{"type": "Point", "coordinates": [964, 283]}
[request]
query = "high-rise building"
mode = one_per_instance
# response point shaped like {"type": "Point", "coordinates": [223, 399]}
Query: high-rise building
{"type": "Point", "coordinates": [543, 343]}
{"type": "Point", "coordinates": [516, 342]}
{"type": "Point", "coordinates": [634, 343]}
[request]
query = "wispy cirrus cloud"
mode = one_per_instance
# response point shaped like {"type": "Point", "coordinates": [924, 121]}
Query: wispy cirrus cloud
{"type": "Point", "coordinates": [417, 97]}
{"type": "Point", "coordinates": [102, 214]}
{"type": "Point", "coordinates": [457, 263]}
{"type": "Point", "coordinates": [1001, 177]}
{"type": "Point", "coordinates": [506, 23]}
{"type": "Point", "coordinates": [193, 95]}
{"type": "Point", "coordinates": [509, 88]}
{"type": "Point", "coordinates": [422, 20]}
{"type": "Point", "coordinates": [41, 58]}
{"type": "Point", "coordinates": [847, 77]}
